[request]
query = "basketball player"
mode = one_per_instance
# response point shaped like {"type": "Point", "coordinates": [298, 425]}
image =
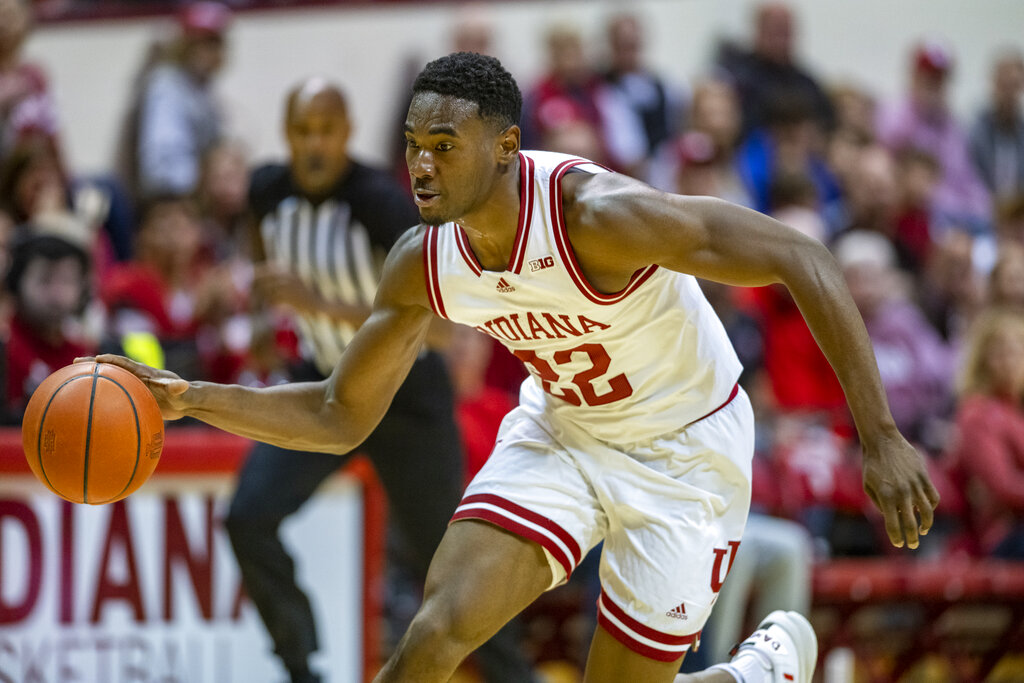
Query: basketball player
{"type": "Point", "coordinates": [631, 429]}
{"type": "Point", "coordinates": [325, 224]}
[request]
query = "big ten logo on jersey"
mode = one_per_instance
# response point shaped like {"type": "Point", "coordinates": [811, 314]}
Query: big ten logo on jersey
{"type": "Point", "coordinates": [542, 263]}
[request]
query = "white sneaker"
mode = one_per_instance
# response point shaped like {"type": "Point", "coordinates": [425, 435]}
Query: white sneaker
{"type": "Point", "coordinates": [787, 641]}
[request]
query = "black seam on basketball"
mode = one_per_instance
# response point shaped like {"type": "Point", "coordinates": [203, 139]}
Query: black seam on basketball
{"type": "Point", "coordinates": [42, 426]}
{"type": "Point", "coordinates": [138, 438]}
{"type": "Point", "coordinates": [88, 436]}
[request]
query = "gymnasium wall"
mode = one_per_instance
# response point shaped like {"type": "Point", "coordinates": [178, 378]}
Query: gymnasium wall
{"type": "Point", "coordinates": [368, 48]}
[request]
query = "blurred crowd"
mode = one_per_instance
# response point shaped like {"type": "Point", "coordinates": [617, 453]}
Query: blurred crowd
{"type": "Point", "coordinates": [923, 211]}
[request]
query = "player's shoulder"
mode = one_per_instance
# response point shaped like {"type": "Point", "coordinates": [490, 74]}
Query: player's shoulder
{"type": "Point", "coordinates": [404, 276]}
{"type": "Point", "coordinates": [408, 249]}
{"type": "Point", "coordinates": [602, 199]}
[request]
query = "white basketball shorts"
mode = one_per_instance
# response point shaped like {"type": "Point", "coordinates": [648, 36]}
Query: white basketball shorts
{"type": "Point", "coordinates": [670, 511]}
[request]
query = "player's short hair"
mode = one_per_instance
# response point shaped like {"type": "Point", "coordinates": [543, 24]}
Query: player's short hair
{"type": "Point", "coordinates": [475, 78]}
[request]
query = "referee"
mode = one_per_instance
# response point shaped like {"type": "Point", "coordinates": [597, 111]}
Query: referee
{"type": "Point", "coordinates": [325, 224]}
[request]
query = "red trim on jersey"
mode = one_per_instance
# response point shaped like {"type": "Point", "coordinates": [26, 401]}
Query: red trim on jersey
{"type": "Point", "coordinates": [569, 257]}
{"type": "Point", "coordinates": [467, 251]}
{"type": "Point", "coordinates": [526, 193]}
{"type": "Point", "coordinates": [430, 270]}
{"type": "Point", "coordinates": [506, 519]}
{"type": "Point", "coordinates": [732, 395]}
{"type": "Point", "coordinates": [634, 628]}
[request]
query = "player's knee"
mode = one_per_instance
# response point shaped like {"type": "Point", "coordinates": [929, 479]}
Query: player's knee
{"type": "Point", "coordinates": [448, 625]}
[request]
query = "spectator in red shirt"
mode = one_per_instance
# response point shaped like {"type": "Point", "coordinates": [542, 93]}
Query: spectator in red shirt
{"type": "Point", "coordinates": [49, 280]}
{"type": "Point", "coordinates": [989, 451]}
{"type": "Point", "coordinates": [566, 102]}
{"type": "Point", "coordinates": [175, 293]}
{"type": "Point", "coordinates": [479, 406]}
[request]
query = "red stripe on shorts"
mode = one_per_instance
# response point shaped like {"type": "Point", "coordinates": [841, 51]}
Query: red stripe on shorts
{"type": "Point", "coordinates": [628, 633]}
{"type": "Point", "coordinates": [510, 516]}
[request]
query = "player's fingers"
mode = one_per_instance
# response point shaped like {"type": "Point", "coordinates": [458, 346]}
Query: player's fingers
{"type": "Point", "coordinates": [137, 369]}
{"type": "Point", "coordinates": [893, 528]}
{"type": "Point", "coordinates": [931, 493]}
{"type": "Point", "coordinates": [174, 386]}
{"type": "Point", "coordinates": [85, 359]}
{"type": "Point", "coordinates": [908, 522]}
{"type": "Point", "coordinates": [927, 518]}
{"type": "Point", "coordinates": [177, 387]}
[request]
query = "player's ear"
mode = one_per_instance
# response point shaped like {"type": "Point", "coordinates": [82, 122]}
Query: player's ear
{"type": "Point", "coordinates": [508, 144]}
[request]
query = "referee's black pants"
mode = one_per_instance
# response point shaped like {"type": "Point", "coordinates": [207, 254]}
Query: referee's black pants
{"type": "Point", "coordinates": [417, 455]}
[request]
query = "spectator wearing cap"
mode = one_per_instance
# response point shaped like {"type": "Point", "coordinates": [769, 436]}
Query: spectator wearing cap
{"type": "Point", "coordinates": [923, 120]}
{"type": "Point", "coordinates": [175, 118]}
{"type": "Point", "coordinates": [997, 136]}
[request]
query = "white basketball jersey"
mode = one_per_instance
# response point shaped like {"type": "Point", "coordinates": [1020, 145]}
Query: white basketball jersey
{"type": "Point", "coordinates": [625, 367]}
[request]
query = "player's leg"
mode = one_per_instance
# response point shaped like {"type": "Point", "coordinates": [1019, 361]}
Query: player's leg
{"type": "Point", "coordinates": [611, 661]}
{"type": "Point", "coordinates": [681, 502]}
{"type": "Point", "coordinates": [523, 526]}
{"type": "Point", "coordinates": [273, 484]}
{"type": "Point", "coordinates": [417, 454]}
{"type": "Point", "coordinates": [480, 578]}
{"type": "Point", "coordinates": [782, 650]}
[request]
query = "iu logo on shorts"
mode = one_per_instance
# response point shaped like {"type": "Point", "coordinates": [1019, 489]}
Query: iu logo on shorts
{"type": "Point", "coordinates": [717, 575]}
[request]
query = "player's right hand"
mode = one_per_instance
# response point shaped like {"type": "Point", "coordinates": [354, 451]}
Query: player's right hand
{"type": "Point", "coordinates": [167, 388]}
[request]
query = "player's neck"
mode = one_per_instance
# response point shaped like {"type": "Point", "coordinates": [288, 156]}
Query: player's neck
{"type": "Point", "coordinates": [492, 227]}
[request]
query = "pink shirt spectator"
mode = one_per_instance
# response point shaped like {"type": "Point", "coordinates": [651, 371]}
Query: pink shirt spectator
{"type": "Point", "coordinates": [960, 193]}
{"type": "Point", "coordinates": [923, 121]}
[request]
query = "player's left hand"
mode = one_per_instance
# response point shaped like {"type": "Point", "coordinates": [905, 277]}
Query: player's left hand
{"type": "Point", "coordinates": [897, 481]}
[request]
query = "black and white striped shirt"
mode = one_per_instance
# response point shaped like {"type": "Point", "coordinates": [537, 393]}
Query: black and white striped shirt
{"type": "Point", "coordinates": [337, 246]}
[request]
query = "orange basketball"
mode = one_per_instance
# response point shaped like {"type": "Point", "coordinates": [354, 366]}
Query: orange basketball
{"type": "Point", "coordinates": [92, 433]}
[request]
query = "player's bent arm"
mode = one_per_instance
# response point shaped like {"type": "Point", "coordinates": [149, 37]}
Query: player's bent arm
{"type": "Point", "coordinates": [337, 414]}
{"type": "Point", "coordinates": [619, 225]}
{"type": "Point", "coordinates": [635, 225]}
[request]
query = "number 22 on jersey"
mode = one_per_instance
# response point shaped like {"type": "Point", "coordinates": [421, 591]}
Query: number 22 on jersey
{"type": "Point", "coordinates": [585, 393]}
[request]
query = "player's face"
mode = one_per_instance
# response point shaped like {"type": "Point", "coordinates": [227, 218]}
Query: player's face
{"type": "Point", "coordinates": [318, 132]}
{"type": "Point", "coordinates": [454, 156]}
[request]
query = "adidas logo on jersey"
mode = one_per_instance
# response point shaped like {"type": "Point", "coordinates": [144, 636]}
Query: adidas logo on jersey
{"type": "Point", "coordinates": [677, 612]}
{"type": "Point", "coordinates": [504, 287]}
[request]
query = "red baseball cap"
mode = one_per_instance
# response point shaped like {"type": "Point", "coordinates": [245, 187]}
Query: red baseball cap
{"type": "Point", "coordinates": [204, 19]}
{"type": "Point", "coordinates": [933, 57]}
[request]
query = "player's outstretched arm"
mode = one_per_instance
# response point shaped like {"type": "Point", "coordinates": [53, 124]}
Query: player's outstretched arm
{"type": "Point", "coordinates": [620, 224]}
{"type": "Point", "coordinates": [334, 415]}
